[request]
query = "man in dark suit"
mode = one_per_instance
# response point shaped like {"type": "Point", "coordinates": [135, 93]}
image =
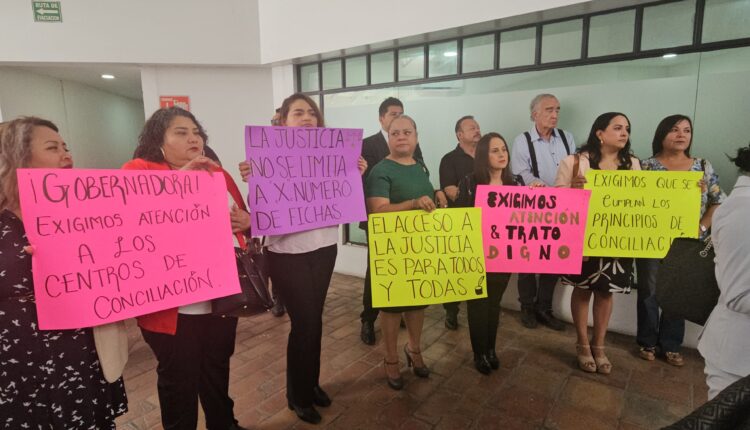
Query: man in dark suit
{"type": "Point", "coordinates": [374, 149]}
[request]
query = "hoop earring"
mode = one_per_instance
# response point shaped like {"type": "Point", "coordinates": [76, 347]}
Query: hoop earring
{"type": "Point", "coordinates": [161, 148]}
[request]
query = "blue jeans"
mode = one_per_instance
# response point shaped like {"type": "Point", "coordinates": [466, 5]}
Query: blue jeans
{"type": "Point", "coordinates": [654, 331]}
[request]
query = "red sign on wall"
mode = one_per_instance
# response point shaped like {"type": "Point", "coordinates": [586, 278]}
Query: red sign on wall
{"type": "Point", "coordinates": [179, 101]}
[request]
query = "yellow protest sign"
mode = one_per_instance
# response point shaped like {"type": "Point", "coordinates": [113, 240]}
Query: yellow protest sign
{"type": "Point", "coordinates": [638, 213]}
{"type": "Point", "coordinates": [420, 258]}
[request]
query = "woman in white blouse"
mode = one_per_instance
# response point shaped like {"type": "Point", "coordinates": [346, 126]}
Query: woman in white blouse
{"type": "Point", "coordinates": [301, 266]}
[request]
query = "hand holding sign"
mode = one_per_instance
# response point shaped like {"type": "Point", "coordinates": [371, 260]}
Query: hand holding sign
{"type": "Point", "coordinates": [532, 230]}
{"type": "Point", "coordinates": [638, 213]}
{"type": "Point", "coordinates": [115, 244]}
{"type": "Point", "coordinates": [302, 178]}
{"type": "Point", "coordinates": [419, 258]}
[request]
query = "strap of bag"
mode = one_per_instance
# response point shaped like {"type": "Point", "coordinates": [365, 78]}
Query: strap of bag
{"type": "Point", "coordinates": [532, 155]}
{"type": "Point", "coordinates": [241, 240]}
{"type": "Point", "coordinates": [709, 244]}
{"type": "Point", "coordinates": [564, 139]}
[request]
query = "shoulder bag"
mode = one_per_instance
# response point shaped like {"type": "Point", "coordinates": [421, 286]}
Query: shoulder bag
{"type": "Point", "coordinates": [254, 298]}
{"type": "Point", "coordinates": [686, 286]}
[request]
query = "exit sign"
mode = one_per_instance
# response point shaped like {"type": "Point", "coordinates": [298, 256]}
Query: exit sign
{"type": "Point", "coordinates": [47, 11]}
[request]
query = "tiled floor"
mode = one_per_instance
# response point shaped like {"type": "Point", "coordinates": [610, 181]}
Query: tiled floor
{"type": "Point", "coordinates": [537, 387]}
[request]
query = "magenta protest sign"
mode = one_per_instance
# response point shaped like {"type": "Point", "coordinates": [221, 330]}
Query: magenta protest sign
{"type": "Point", "coordinates": [115, 244]}
{"type": "Point", "coordinates": [303, 178]}
{"type": "Point", "coordinates": [533, 230]}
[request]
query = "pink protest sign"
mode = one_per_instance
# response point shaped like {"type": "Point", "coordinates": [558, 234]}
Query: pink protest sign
{"type": "Point", "coordinates": [115, 244]}
{"type": "Point", "coordinates": [533, 230]}
{"type": "Point", "coordinates": [303, 178]}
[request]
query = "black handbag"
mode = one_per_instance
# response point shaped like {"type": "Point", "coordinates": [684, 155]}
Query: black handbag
{"type": "Point", "coordinates": [254, 298]}
{"type": "Point", "coordinates": [686, 286]}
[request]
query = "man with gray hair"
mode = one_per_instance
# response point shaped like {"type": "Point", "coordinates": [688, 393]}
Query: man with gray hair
{"type": "Point", "coordinates": [536, 154]}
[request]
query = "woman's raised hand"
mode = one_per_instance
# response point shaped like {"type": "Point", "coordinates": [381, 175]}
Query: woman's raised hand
{"type": "Point", "coordinates": [240, 219]}
{"type": "Point", "coordinates": [362, 165]}
{"type": "Point", "coordinates": [245, 170]}
{"type": "Point", "coordinates": [578, 181]}
{"type": "Point", "coordinates": [201, 162]}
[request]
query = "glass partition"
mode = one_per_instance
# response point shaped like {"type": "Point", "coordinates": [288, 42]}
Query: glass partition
{"type": "Point", "coordinates": [668, 25]}
{"type": "Point", "coordinates": [381, 67]}
{"type": "Point", "coordinates": [710, 87]}
{"type": "Point", "coordinates": [410, 63]}
{"type": "Point", "coordinates": [611, 33]}
{"type": "Point", "coordinates": [562, 41]}
{"type": "Point", "coordinates": [356, 71]}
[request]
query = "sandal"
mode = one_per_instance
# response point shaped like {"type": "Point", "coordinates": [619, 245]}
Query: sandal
{"type": "Point", "coordinates": [603, 364]}
{"type": "Point", "coordinates": [674, 358]}
{"type": "Point", "coordinates": [585, 358]}
{"type": "Point", "coordinates": [648, 353]}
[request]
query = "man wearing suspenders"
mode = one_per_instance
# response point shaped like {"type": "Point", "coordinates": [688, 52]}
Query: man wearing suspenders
{"type": "Point", "coordinates": [535, 156]}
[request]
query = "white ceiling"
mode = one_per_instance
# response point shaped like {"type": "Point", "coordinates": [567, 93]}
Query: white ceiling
{"type": "Point", "coordinates": [127, 80]}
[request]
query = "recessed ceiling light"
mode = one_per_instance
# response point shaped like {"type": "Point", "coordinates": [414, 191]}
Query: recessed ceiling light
{"type": "Point", "coordinates": [108, 76]}
{"type": "Point", "coordinates": [668, 55]}
{"type": "Point", "coordinates": [450, 54]}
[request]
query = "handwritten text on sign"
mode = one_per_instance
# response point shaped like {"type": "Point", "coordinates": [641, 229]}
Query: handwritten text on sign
{"type": "Point", "coordinates": [638, 213]}
{"type": "Point", "coordinates": [115, 244]}
{"type": "Point", "coordinates": [303, 178]}
{"type": "Point", "coordinates": [533, 230]}
{"type": "Point", "coordinates": [419, 258]}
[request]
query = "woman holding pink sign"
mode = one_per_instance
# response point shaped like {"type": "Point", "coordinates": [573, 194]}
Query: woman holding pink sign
{"type": "Point", "coordinates": [49, 379]}
{"type": "Point", "coordinates": [192, 346]}
{"type": "Point", "coordinates": [607, 148]}
{"type": "Point", "coordinates": [491, 167]}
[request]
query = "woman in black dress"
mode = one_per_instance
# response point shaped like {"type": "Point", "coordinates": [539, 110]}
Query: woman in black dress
{"type": "Point", "coordinates": [49, 379]}
{"type": "Point", "coordinates": [491, 167]}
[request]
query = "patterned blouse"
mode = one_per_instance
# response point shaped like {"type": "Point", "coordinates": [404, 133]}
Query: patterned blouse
{"type": "Point", "coordinates": [712, 196]}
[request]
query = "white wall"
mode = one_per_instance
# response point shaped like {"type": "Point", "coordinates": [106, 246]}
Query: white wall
{"type": "Point", "coordinates": [223, 99]}
{"type": "Point", "coordinates": [283, 83]}
{"type": "Point", "coordinates": [134, 31]}
{"type": "Point", "coordinates": [101, 128]}
{"type": "Point", "coordinates": [296, 28]}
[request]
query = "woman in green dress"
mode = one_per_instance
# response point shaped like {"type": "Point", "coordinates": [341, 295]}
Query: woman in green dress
{"type": "Point", "coordinates": [400, 183]}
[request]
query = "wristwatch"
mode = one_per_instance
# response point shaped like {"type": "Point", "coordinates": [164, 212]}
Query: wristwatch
{"type": "Point", "coordinates": [703, 228]}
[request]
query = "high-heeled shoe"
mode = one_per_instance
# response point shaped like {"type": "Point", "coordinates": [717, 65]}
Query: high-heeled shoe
{"type": "Point", "coordinates": [585, 359]}
{"type": "Point", "coordinates": [395, 383]}
{"type": "Point", "coordinates": [482, 364]}
{"type": "Point", "coordinates": [603, 364]}
{"type": "Point", "coordinates": [307, 414]}
{"type": "Point", "coordinates": [422, 371]}
{"type": "Point", "coordinates": [320, 397]}
{"type": "Point", "coordinates": [493, 360]}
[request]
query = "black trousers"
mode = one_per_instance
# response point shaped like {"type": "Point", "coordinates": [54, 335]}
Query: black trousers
{"type": "Point", "coordinates": [451, 307]}
{"type": "Point", "coordinates": [484, 314]}
{"type": "Point", "coordinates": [368, 313]}
{"type": "Point", "coordinates": [194, 363]}
{"type": "Point", "coordinates": [303, 281]}
{"type": "Point", "coordinates": [530, 296]}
